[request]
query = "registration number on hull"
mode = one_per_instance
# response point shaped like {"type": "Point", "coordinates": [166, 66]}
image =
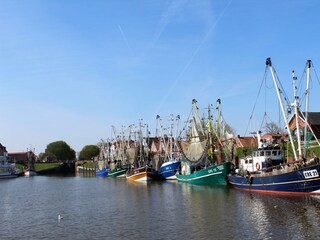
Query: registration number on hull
{"type": "Point", "coordinates": [311, 173]}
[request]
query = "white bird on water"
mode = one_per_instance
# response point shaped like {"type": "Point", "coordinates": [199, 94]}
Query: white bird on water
{"type": "Point", "coordinates": [60, 217]}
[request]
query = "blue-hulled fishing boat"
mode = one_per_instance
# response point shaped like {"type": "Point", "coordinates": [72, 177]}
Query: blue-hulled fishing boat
{"type": "Point", "coordinates": [102, 173]}
{"type": "Point", "coordinates": [170, 149]}
{"type": "Point", "coordinates": [267, 170]}
{"type": "Point", "coordinates": [168, 170]}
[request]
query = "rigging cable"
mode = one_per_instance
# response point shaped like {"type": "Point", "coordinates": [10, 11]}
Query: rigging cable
{"type": "Point", "coordinates": [255, 103]}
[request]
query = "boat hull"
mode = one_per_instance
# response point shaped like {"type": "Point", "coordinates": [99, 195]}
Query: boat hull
{"type": "Point", "coordinates": [303, 180]}
{"type": "Point", "coordinates": [29, 173]}
{"type": "Point", "coordinates": [212, 175]}
{"type": "Point", "coordinates": [117, 172]}
{"type": "Point", "coordinates": [102, 173]}
{"type": "Point", "coordinates": [169, 170]}
{"type": "Point", "coordinates": [5, 175]}
{"type": "Point", "coordinates": [142, 174]}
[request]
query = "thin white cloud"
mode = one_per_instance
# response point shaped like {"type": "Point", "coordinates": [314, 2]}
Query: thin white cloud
{"type": "Point", "coordinates": [204, 39]}
{"type": "Point", "coordinates": [125, 39]}
{"type": "Point", "coordinates": [171, 11]}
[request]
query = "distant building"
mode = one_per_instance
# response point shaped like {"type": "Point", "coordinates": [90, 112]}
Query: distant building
{"type": "Point", "coordinates": [3, 150]}
{"type": "Point", "coordinates": [313, 121]}
{"type": "Point", "coordinates": [249, 142]}
{"type": "Point", "coordinates": [23, 157]}
{"type": "Point", "coordinates": [270, 138]}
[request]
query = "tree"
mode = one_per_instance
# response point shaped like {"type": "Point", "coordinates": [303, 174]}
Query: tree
{"type": "Point", "coordinates": [272, 128]}
{"type": "Point", "coordinates": [42, 156]}
{"type": "Point", "coordinates": [61, 151]}
{"type": "Point", "coordinates": [89, 152]}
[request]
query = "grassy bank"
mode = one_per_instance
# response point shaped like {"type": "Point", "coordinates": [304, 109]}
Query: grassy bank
{"type": "Point", "coordinates": [87, 164]}
{"type": "Point", "coordinates": [46, 166]}
{"type": "Point", "coordinates": [39, 166]}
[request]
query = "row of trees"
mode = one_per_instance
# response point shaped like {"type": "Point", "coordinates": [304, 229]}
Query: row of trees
{"type": "Point", "coordinates": [60, 151]}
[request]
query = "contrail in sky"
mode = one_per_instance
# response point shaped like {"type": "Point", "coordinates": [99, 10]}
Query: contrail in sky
{"type": "Point", "coordinates": [175, 82]}
{"type": "Point", "coordinates": [174, 7]}
{"type": "Point", "coordinates": [125, 39]}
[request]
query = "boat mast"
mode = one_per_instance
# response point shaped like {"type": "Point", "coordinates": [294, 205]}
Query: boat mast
{"type": "Point", "coordinates": [296, 110]}
{"type": "Point", "coordinates": [129, 135]}
{"type": "Point", "coordinates": [177, 133]}
{"type": "Point", "coordinates": [218, 118]}
{"type": "Point", "coordinates": [115, 144]}
{"type": "Point", "coordinates": [170, 140]}
{"type": "Point", "coordinates": [307, 109]}
{"type": "Point", "coordinates": [268, 63]}
{"type": "Point", "coordinates": [146, 144]}
{"type": "Point", "coordinates": [122, 144]}
{"type": "Point", "coordinates": [211, 150]}
{"type": "Point", "coordinates": [194, 102]}
{"type": "Point", "coordinates": [162, 139]}
{"type": "Point", "coordinates": [140, 142]}
{"type": "Point", "coordinates": [218, 130]}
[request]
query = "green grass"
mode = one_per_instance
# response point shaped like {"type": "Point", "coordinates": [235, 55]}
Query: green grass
{"type": "Point", "coordinates": [20, 167]}
{"type": "Point", "coordinates": [89, 164]}
{"type": "Point", "coordinates": [38, 166]}
{"type": "Point", "coordinates": [45, 166]}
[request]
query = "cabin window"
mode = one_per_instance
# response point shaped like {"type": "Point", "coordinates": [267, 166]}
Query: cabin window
{"type": "Point", "coordinates": [246, 161]}
{"type": "Point", "coordinates": [250, 161]}
{"type": "Point", "coordinates": [274, 153]}
{"type": "Point", "coordinates": [268, 153]}
{"type": "Point", "coordinates": [262, 153]}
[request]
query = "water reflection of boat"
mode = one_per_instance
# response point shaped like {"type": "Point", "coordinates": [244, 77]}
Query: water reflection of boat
{"type": "Point", "coordinates": [268, 171]}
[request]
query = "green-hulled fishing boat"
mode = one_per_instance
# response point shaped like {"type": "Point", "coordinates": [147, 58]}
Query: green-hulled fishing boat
{"type": "Point", "coordinates": [211, 175]}
{"type": "Point", "coordinates": [202, 163]}
{"type": "Point", "coordinates": [118, 172]}
{"type": "Point", "coordinates": [122, 153]}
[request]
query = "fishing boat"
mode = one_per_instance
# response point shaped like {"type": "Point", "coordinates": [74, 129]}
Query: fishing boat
{"type": "Point", "coordinates": [118, 172]}
{"type": "Point", "coordinates": [199, 165]}
{"type": "Point", "coordinates": [141, 174]}
{"type": "Point", "coordinates": [169, 148]}
{"type": "Point", "coordinates": [121, 152]}
{"type": "Point", "coordinates": [102, 173]}
{"type": "Point", "coordinates": [30, 171]}
{"type": "Point", "coordinates": [268, 170]}
{"type": "Point", "coordinates": [169, 169]}
{"type": "Point", "coordinates": [102, 166]}
{"type": "Point", "coordinates": [140, 169]}
{"type": "Point", "coordinates": [7, 169]}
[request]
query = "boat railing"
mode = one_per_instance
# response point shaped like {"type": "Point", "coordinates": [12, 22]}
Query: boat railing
{"type": "Point", "coordinates": [287, 167]}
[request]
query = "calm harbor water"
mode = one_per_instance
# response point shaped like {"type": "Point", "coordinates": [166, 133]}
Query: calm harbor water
{"type": "Point", "coordinates": [96, 208]}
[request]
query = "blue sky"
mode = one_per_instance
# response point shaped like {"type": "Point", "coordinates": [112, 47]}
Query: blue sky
{"type": "Point", "coordinates": [71, 69]}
